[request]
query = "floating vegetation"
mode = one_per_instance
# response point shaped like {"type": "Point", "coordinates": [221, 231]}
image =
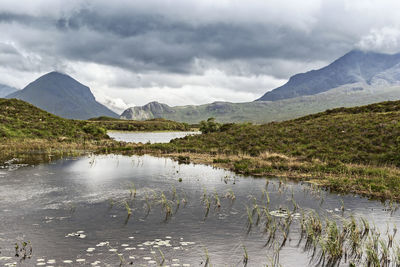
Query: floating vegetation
{"type": "Point", "coordinates": [281, 212]}
{"type": "Point", "coordinates": [230, 195]}
{"type": "Point", "coordinates": [23, 250]}
{"type": "Point", "coordinates": [79, 234]}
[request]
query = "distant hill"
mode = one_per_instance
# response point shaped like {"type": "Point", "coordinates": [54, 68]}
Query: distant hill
{"type": "Point", "coordinates": [266, 111]}
{"type": "Point", "coordinates": [149, 111]}
{"type": "Point", "coordinates": [357, 78]}
{"type": "Point", "coordinates": [62, 95]}
{"type": "Point", "coordinates": [6, 90]}
{"type": "Point", "coordinates": [354, 67]}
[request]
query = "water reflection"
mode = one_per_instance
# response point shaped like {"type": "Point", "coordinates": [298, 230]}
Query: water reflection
{"type": "Point", "coordinates": [74, 212]}
{"type": "Point", "coordinates": [151, 137]}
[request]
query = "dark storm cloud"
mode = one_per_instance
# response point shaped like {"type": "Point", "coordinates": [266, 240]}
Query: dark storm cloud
{"type": "Point", "coordinates": [156, 42]}
{"type": "Point", "coordinates": [233, 47]}
{"type": "Point", "coordinates": [172, 44]}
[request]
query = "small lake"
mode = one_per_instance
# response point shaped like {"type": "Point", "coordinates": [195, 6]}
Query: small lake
{"type": "Point", "coordinates": [145, 137]}
{"type": "Point", "coordinates": [75, 212]}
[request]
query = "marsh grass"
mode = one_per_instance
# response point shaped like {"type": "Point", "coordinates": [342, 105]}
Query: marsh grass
{"type": "Point", "coordinates": [207, 262]}
{"type": "Point", "coordinates": [120, 256]}
{"type": "Point", "coordinates": [217, 200]}
{"type": "Point", "coordinates": [207, 203]}
{"type": "Point", "coordinates": [245, 256]}
{"type": "Point", "coordinates": [132, 190]}
{"type": "Point", "coordinates": [128, 211]}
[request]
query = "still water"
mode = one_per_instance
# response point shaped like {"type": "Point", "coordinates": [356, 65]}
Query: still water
{"type": "Point", "coordinates": [145, 137]}
{"type": "Point", "coordinates": [74, 212]}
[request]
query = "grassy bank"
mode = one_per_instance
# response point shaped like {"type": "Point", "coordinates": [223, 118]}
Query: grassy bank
{"type": "Point", "coordinates": [32, 134]}
{"type": "Point", "coordinates": [346, 149]}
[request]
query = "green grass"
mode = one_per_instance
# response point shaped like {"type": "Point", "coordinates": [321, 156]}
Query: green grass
{"type": "Point", "coordinates": [20, 120]}
{"type": "Point", "coordinates": [33, 135]}
{"type": "Point", "coordinates": [361, 135]}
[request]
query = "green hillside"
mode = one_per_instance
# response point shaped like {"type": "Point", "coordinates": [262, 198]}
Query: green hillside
{"type": "Point", "coordinates": [368, 134]}
{"type": "Point", "coordinates": [23, 120]}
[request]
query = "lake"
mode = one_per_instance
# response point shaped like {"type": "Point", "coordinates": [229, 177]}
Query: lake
{"type": "Point", "coordinates": [145, 137]}
{"type": "Point", "coordinates": [75, 212]}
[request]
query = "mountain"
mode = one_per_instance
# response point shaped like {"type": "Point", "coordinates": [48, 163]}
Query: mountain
{"type": "Point", "coordinates": [62, 95]}
{"type": "Point", "coordinates": [149, 111]}
{"type": "Point", "coordinates": [357, 78]}
{"type": "Point", "coordinates": [348, 95]}
{"type": "Point", "coordinates": [6, 90]}
{"type": "Point", "coordinates": [355, 66]}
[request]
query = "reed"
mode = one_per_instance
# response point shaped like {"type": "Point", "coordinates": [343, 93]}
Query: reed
{"type": "Point", "coordinates": [217, 200]}
{"type": "Point", "coordinates": [128, 209]}
{"type": "Point", "coordinates": [249, 216]}
{"type": "Point", "coordinates": [245, 256]}
{"type": "Point", "coordinates": [207, 204]}
{"type": "Point", "coordinates": [207, 261]}
{"type": "Point", "coordinates": [111, 202]}
{"type": "Point", "coordinates": [173, 193]}
{"type": "Point", "coordinates": [168, 211]}
{"type": "Point", "coordinates": [120, 256]}
{"type": "Point", "coordinates": [161, 262]}
{"type": "Point", "coordinates": [132, 190]}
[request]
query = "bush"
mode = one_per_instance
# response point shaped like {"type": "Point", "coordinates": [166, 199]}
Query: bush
{"type": "Point", "coordinates": [209, 126]}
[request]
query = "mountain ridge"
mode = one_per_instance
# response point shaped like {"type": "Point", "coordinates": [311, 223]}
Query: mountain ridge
{"type": "Point", "coordinates": [354, 66]}
{"type": "Point", "coordinates": [60, 94]}
{"type": "Point", "coordinates": [6, 90]}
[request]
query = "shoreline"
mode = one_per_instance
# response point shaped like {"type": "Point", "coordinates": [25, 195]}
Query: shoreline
{"type": "Point", "coordinates": [378, 182]}
{"type": "Point", "coordinates": [350, 179]}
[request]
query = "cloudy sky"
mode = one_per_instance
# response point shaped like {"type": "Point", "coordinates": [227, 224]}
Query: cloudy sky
{"type": "Point", "coordinates": [186, 51]}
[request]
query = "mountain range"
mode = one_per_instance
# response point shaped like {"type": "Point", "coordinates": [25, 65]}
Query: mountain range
{"type": "Point", "coordinates": [357, 78]}
{"type": "Point", "coordinates": [62, 95]}
{"type": "Point", "coordinates": [354, 67]}
{"type": "Point", "coordinates": [6, 90]}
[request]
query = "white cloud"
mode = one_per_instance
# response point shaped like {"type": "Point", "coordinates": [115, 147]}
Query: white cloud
{"type": "Point", "coordinates": [119, 89]}
{"type": "Point", "coordinates": [386, 39]}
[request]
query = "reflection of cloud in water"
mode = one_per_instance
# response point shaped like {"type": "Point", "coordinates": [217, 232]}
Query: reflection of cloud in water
{"type": "Point", "coordinates": [74, 195]}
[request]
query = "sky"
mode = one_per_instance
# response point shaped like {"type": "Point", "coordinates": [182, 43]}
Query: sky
{"type": "Point", "coordinates": [184, 52]}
